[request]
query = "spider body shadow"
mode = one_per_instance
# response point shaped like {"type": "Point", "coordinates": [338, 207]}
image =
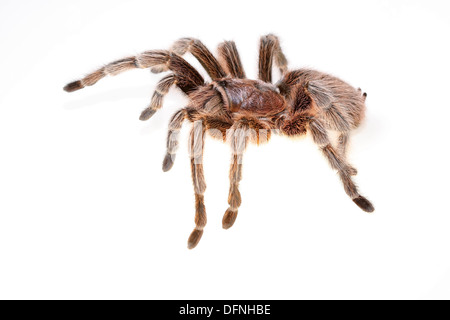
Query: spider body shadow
{"type": "Point", "coordinates": [242, 111]}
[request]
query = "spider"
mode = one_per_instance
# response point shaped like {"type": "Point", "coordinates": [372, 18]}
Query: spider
{"type": "Point", "coordinates": [240, 111]}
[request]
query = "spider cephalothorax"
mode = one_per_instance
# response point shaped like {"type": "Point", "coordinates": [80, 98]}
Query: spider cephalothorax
{"type": "Point", "coordinates": [241, 111]}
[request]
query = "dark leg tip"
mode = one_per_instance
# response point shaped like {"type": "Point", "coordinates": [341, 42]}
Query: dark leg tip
{"type": "Point", "coordinates": [364, 204]}
{"type": "Point", "coordinates": [194, 238]}
{"type": "Point", "coordinates": [229, 218]}
{"type": "Point", "coordinates": [147, 114]}
{"type": "Point", "coordinates": [168, 162]}
{"type": "Point", "coordinates": [74, 86]}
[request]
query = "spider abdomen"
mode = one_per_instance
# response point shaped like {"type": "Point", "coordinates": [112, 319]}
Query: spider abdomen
{"type": "Point", "coordinates": [339, 105]}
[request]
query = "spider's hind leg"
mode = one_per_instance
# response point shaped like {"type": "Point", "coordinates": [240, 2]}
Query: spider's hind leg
{"type": "Point", "coordinates": [337, 162]}
{"type": "Point", "coordinates": [342, 144]}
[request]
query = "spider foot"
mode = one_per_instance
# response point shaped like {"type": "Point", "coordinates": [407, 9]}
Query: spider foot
{"type": "Point", "coordinates": [364, 204]}
{"type": "Point", "coordinates": [229, 218]}
{"type": "Point", "coordinates": [194, 238]}
{"type": "Point", "coordinates": [74, 86]}
{"type": "Point", "coordinates": [168, 162]}
{"type": "Point", "coordinates": [147, 114]}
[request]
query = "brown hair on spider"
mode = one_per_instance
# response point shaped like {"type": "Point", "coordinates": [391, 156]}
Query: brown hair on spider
{"type": "Point", "coordinates": [242, 111]}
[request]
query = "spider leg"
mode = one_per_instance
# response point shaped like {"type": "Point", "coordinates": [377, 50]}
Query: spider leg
{"type": "Point", "coordinates": [238, 137]}
{"type": "Point", "coordinates": [337, 162]}
{"type": "Point", "coordinates": [202, 54]}
{"type": "Point", "coordinates": [230, 60]}
{"type": "Point", "coordinates": [234, 196]}
{"type": "Point", "coordinates": [269, 51]}
{"type": "Point", "coordinates": [335, 119]}
{"type": "Point", "coordinates": [173, 135]}
{"type": "Point", "coordinates": [175, 125]}
{"type": "Point", "coordinates": [342, 144]}
{"type": "Point", "coordinates": [162, 88]}
{"type": "Point", "coordinates": [188, 79]}
{"type": "Point", "coordinates": [244, 130]}
{"type": "Point", "coordinates": [227, 50]}
{"type": "Point", "coordinates": [196, 138]}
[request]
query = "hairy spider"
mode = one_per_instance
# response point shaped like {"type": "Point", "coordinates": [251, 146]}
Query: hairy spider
{"type": "Point", "coordinates": [241, 111]}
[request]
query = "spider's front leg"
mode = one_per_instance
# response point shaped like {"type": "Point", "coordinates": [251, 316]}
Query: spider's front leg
{"type": "Point", "coordinates": [338, 162]}
{"type": "Point", "coordinates": [196, 144]}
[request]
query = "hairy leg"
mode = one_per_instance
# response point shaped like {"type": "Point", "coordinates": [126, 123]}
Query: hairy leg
{"type": "Point", "coordinates": [238, 136]}
{"type": "Point", "coordinates": [227, 52]}
{"type": "Point", "coordinates": [202, 54]}
{"type": "Point", "coordinates": [269, 52]}
{"type": "Point", "coordinates": [196, 152]}
{"type": "Point", "coordinates": [230, 60]}
{"type": "Point", "coordinates": [234, 196]}
{"type": "Point", "coordinates": [162, 88]}
{"type": "Point", "coordinates": [243, 131]}
{"type": "Point", "coordinates": [342, 144]}
{"type": "Point", "coordinates": [188, 79]}
{"type": "Point", "coordinates": [175, 125]}
{"type": "Point", "coordinates": [238, 141]}
{"type": "Point", "coordinates": [338, 163]}
{"type": "Point", "coordinates": [184, 76]}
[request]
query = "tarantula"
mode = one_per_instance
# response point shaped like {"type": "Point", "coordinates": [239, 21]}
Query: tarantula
{"type": "Point", "coordinates": [242, 111]}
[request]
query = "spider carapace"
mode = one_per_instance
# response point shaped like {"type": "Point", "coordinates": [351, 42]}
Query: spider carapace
{"type": "Point", "coordinates": [242, 111]}
{"type": "Point", "coordinates": [251, 97]}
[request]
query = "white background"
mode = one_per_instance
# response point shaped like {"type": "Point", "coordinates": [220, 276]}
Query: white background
{"type": "Point", "coordinates": [86, 211]}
